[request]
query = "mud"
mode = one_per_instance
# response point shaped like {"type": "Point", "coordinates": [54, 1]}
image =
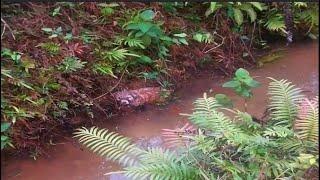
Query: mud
{"type": "Point", "coordinates": [68, 161]}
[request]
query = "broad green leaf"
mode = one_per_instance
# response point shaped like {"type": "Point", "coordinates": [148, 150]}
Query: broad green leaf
{"type": "Point", "coordinates": [238, 16]}
{"type": "Point", "coordinates": [242, 73]}
{"type": "Point", "coordinates": [231, 84]}
{"type": "Point", "coordinates": [166, 38]}
{"type": "Point", "coordinates": [211, 9]}
{"type": "Point", "coordinates": [258, 5]}
{"type": "Point", "coordinates": [183, 41]}
{"type": "Point", "coordinates": [250, 11]}
{"type": "Point", "coordinates": [146, 40]}
{"type": "Point", "coordinates": [145, 60]}
{"type": "Point", "coordinates": [133, 26]}
{"type": "Point", "coordinates": [5, 126]}
{"type": "Point", "coordinates": [145, 26]}
{"type": "Point", "coordinates": [182, 35]}
{"type": "Point", "coordinates": [253, 83]}
{"type": "Point", "coordinates": [245, 92]}
{"type": "Point", "coordinates": [223, 100]}
{"type": "Point", "coordinates": [147, 15]}
{"type": "Point", "coordinates": [155, 32]}
{"type": "Point", "coordinates": [139, 34]}
{"type": "Point", "coordinates": [4, 138]}
{"type": "Point", "coordinates": [213, 6]}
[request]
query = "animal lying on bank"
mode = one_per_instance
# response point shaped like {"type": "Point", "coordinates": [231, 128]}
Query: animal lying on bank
{"type": "Point", "coordinates": [138, 97]}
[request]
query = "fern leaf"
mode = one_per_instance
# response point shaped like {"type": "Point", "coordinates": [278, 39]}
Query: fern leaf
{"type": "Point", "coordinates": [206, 116]}
{"type": "Point", "coordinates": [176, 171]}
{"type": "Point", "coordinates": [275, 22]}
{"type": "Point", "coordinates": [118, 54]}
{"type": "Point", "coordinates": [109, 144]}
{"type": "Point", "coordinates": [283, 101]}
{"type": "Point", "coordinates": [307, 123]}
{"type": "Point", "coordinates": [179, 136]}
{"type": "Point", "coordinates": [157, 156]}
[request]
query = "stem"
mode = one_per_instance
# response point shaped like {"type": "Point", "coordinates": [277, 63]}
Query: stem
{"type": "Point", "coordinates": [115, 172]}
{"type": "Point", "coordinates": [245, 104]}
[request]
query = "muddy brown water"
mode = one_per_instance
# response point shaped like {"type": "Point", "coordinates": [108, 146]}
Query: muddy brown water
{"type": "Point", "coordinates": [68, 162]}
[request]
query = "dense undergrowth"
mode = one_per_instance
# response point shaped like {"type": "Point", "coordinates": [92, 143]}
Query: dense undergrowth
{"type": "Point", "coordinates": [58, 59]}
{"type": "Point", "coordinates": [217, 146]}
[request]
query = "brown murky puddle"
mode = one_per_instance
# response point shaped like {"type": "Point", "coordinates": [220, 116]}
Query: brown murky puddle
{"type": "Point", "coordinates": [68, 162]}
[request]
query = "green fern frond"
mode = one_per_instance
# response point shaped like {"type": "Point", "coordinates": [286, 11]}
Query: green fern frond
{"type": "Point", "coordinates": [203, 37]}
{"type": "Point", "coordinates": [278, 131]}
{"type": "Point", "coordinates": [118, 54]}
{"type": "Point", "coordinates": [283, 101]}
{"type": "Point", "coordinates": [157, 156]}
{"type": "Point", "coordinates": [310, 16]}
{"type": "Point", "coordinates": [206, 116]}
{"type": "Point", "coordinates": [307, 123]}
{"type": "Point", "coordinates": [51, 47]}
{"type": "Point", "coordinates": [275, 22]}
{"type": "Point", "coordinates": [112, 145]}
{"type": "Point", "coordinates": [173, 171]}
{"type": "Point", "coordinates": [131, 42]}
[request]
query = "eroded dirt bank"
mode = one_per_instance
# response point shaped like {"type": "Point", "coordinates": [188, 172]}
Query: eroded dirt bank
{"type": "Point", "coordinates": [68, 161]}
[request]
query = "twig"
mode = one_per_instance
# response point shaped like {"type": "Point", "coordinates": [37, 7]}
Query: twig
{"type": "Point", "coordinates": [5, 24]}
{"type": "Point", "coordinates": [116, 172]}
{"type": "Point", "coordinates": [112, 87]}
{"type": "Point", "coordinates": [217, 45]}
{"type": "Point", "coordinates": [249, 52]}
{"type": "Point", "coordinates": [252, 34]}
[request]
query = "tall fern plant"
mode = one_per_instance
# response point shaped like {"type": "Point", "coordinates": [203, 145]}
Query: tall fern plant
{"type": "Point", "coordinates": [223, 148]}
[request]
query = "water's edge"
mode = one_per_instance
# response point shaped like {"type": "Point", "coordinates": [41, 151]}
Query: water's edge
{"type": "Point", "coordinates": [68, 161]}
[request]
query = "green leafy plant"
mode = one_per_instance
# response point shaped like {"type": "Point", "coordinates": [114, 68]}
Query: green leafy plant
{"type": "Point", "coordinates": [149, 75]}
{"type": "Point", "coordinates": [242, 84]}
{"type": "Point", "coordinates": [51, 47]}
{"type": "Point", "coordinates": [107, 11]}
{"type": "Point", "coordinates": [117, 54]}
{"type": "Point", "coordinates": [130, 41]}
{"type": "Point", "coordinates": [180, 38]}
{"type": "Point", "coordinates": [307, 120]}
{"type": "Point", "coordinates": [275, 21]}
{"type": "Point", "coordinates": [223, 100]}
{"type": "Point", "coordinates": [284, 100]}
{"type": "Point", "coordinates": [235, 10]}
{"type": "Point", "coordinates": [56, 11]}
{"type": "Point", "coordinates": [68, 37]}
{"type": "Point", "coordinates": [202, 37]}
{"type": "Point", "coordinates": [71, 64]}
{"type": "Point", "coordinates": [104, 69]}
{"type": "Point", "coordinates": [5, 140]}
{"type": "Point", "coordinates": [221, 147]}
{"type": "Point", "coordinates": [150, 33]}
{"type": "Point", "coordinates": [53, 32]}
